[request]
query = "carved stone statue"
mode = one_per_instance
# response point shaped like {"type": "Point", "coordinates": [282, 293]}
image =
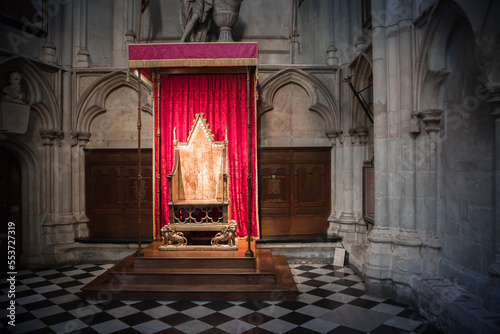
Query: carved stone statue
{"type": "Point", "coordinates": [196, 19]}
{"type": "Point", "coordinates": [13, 91]}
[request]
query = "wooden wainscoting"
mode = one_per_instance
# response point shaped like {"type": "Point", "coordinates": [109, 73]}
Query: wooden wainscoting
{"type": "Point", "coordinates": [294, 190]}
{"type": "Point", "coordinates": [110, 193]}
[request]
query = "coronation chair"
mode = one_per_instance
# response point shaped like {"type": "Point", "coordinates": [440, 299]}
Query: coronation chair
{"type": "Point", "coordinates": [198, 182]}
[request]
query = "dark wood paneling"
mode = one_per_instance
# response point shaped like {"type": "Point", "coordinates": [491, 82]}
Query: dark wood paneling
{"type": "Point", "coordinates": [110, 193]}
{"type": "Point", "coordinates": [294, 190]}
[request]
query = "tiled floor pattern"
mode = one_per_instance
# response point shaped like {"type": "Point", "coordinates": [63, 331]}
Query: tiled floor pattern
{"type": "Point", "coordinates": [332, 300]}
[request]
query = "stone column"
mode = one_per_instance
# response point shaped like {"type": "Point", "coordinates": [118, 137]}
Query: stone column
{"type": "Point", "coordinates": [331, 53]}
{"type": "Point", "coordinates": [78, 180]}
{"type": "Point", "coordinates": [333, 228]}
{"type": "Point", "coordinates": [83, 138]}
{"type": "Point", "coordinates": [347, 220]}
{"type": "Point", "coordinates": [494, 269]}
{"type": "Point", "coordinates": [379, 245]}
{"type": "Point", "coordinates": [56, 172]}
{"type": "Point", "coordinates": [49, 50]}
{"type": "Point", "coordinates": [431, 243]}
{"type": "Point", "coordinates": [342, 30]}
{"type": "Point", "coordinates": [46, 185]}
{"type": "Point", "coordinates": [361, 228]}
{"type": "Point", "coordinates": [130, 34]}
{"type": "Point", "coordinates": [82, 58]}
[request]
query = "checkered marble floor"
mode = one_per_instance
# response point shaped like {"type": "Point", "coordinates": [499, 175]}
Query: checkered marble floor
{"type": "Point", "coordinates": [332, 300]}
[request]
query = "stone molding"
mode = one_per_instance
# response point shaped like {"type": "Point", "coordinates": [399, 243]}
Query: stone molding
{"type": "Point", "coordinates": [409, 238]}
{"type": "Point", "coordinates": [335, 134]}
{"type": "Point", "coordinates": [310, 84]}
{"type": "Point", "coordinates": [362, 133]}
{"type": "Point", "coordinates": [93, 100]}
{"type": "Point", "coordinates": [47, 137]}
{"type": "Point", "coordinates": [431, 119]}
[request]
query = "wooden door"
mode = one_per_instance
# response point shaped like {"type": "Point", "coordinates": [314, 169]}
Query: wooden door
{"type": "Point", "coordinates": [294, 191]}
{"type": "Point", "coordinates": [10, 209]}
{"type": "Point", "coordinates": [110, 193]}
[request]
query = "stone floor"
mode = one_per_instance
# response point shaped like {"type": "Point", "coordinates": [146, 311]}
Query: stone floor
{"type": "Point", "coordinates": [332, 300]}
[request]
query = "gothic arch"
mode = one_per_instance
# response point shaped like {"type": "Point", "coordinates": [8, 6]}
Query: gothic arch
{"type": "Point", "coordinates": [94, 98]}
{"type": "Point", "coordinates": [39, 92]}
{"type": "Point", "coordinates": [362, 72]}
{"type": "Point", "coordinates": [311, 85]}
{"type": "Point", "coordinates": [488, 44]}
{"type": "Point", "coordinates": [432, 69]}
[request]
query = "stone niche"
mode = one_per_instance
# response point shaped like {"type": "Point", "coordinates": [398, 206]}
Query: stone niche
{"type": "Point", "coordinates": [290, 122]}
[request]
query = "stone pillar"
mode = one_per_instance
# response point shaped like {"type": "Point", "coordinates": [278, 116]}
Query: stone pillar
{"type": "Point", "coordinates": [47, 208]}
{"type": "Point", "coordinates": [362, 226]}
{"type": "Point", "coordinates": [347, 220]}
{"type": "Point", "coordinates": [83, 138]}
{"type": "Point", "coordinates": [60, 230]}
{"type": "Point", "coordinates": [333, 228]}
{"type": "Point", "coordinates": [82, 58]}
{"type": "Point", "coordinates": [431, 245]}
{"type": "Point", "coordinates": [494, 269]}
{"type": "Point", "coordinates": [331, 53]}
{"type": "Point", "coordinates": [432, 118]}
{"type": "Point", "coordinates": [78, 181]}
{"type": "Point", "coordinates": [56, 179]}
{"type": "Point", "coordinates": [66, 34]}
{"type": "Point", "coordinates": [49, 51]}
{"type": "Point", "coordinates": [379, 246]}
{"type": "Point", "coordinates": [130, 34]}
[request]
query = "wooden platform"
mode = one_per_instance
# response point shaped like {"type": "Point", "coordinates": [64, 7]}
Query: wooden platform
{"type": "Point", "coordinates": [196, 276]}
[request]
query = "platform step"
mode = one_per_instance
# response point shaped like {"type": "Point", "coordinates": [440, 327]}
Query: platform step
{"type": "Point", "coordinates": [195, 277]}
{"type": "Point", "coordinates": [200, 262]}
{"type": "Point", "coordinates": [269, 278]}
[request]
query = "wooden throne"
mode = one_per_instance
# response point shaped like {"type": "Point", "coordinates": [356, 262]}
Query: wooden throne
{"type": "Point", "coordinates": [198, 199]}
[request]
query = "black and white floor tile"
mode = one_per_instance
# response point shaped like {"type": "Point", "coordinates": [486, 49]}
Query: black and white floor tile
{"type": "Point", "coordinates": [332, 300]}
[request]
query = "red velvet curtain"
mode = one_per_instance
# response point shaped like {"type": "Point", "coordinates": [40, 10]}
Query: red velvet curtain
{"type": "Point", "coordinates": [223, 100]}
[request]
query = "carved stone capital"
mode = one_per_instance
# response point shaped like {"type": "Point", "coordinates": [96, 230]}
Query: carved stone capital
{"type": "Point", "coordinates": [334, 134]}
{"type": "Point", "coordinates": [83, 138]}
{"type": "Point", "coordinates": [362, 133]}
{"type": "Point", "coordinates": [59, 136]}
{"type": "Point", "coordinates": [432, 119]}
{"type": "Point", "coordinates": [332, 58]}
{"type": "Point", "coordinates": [340, 136]}
{"type": "Point", "coordinates": [352, 135]}
{"type": "Point", "coordinates": [47, 136]}
{"type": "Point", "coordinates": [73, 136]}
{"type": "Point", "coordinates": [494, 99]}
{"type": "Point", "coordinates": [415, 123]}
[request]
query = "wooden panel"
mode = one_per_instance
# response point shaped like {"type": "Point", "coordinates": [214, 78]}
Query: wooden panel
{"type": "Point", "coordinates": [111, 189]}
{"type": "Point", "coordinates": [294, 191]}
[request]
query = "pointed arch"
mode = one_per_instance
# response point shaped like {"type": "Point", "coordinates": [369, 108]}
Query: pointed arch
{"type": "Point", "coordinates": [432, 69]}
{"type": "Point", "coordinates": [94, 98]}
{"type": "Point", "coordinates": [313, 87]}
{"type": "Point", "coordinates": [362, 76]}
{"type": "Point", "coordinates": [40, 95]}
